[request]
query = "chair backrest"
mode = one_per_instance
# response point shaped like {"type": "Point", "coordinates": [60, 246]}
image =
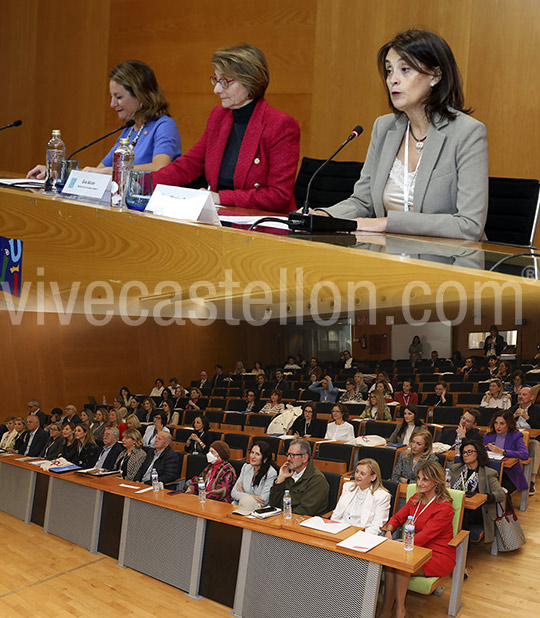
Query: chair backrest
{"type": "Point", "coordinates": [214, 416]}
{"type": "Point", "coordinates": [335, 452]}
{"type": "Point", "coordinates": [237, 441]}
{"type": "Point", "coordinates": [235, 418]}
{"type": "Point", "coordinates": [384, 456]}
{"type": "Point", "coordinates": [378, 428]}
{"type": "Point", "coordinates": [392, 487]}
{"type": "Point", "coordinates": [512, 211]}
{"type": "Point", "coordinates": [259, 420]}
{"type": "Point", "coordinates": [181, 435]}
{"type": "Point", "coordinates": [447, 416]}
{"type": "Point", "coordinates": [190, 415]}
{"type": "Point", "coordinates": [458, 500]}
{"type": "Point", "coordinates": [237, 464]}
{"type": "Point", "coordinates": [272, 441]}
{"type": "Point", "coordinates": [334, 481]}
{"type": "Point", "coordinates": [195, 465]}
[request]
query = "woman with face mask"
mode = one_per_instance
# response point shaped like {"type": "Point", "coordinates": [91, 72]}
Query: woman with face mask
{"type": "Point", "coordinates": [219, 475]}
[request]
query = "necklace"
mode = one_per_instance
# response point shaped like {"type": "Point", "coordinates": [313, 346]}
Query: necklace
{"type": "Point", "coordinates": [419, 142]}
{"type": "Point", "coordinates": [135, 139]}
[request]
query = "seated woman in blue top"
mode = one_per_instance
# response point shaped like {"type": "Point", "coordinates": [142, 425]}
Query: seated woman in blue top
{"type": "Point", "coordinates": [257, 476]}
{"type": "Point", "coordinates": [135, 93]}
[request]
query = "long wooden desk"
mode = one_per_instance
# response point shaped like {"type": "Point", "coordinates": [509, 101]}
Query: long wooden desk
{"type": "Point", "coordinates": [174, 538]}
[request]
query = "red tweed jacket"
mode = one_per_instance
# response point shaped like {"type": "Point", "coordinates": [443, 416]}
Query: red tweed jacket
{"type": "Point", "coordinates": [266, 168]}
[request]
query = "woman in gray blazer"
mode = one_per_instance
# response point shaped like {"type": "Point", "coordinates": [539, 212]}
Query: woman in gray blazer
{"type": "Point", "coordinates": [426, 170]}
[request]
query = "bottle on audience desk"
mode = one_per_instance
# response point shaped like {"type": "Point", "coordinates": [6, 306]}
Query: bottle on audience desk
{"type": "Point", "coordinates": [56, 153]}
{"type": "Point", "coordinates": [408, 540]}
{"type": "Point", "coordinates": [202, 489]}
{"type": "Point", "coordinates": [123, 158]}
{"type": "Point", "coordinates": [448, 477]}
{"type": "Point", "coordinates": [155, 480]}
{"type": "Point", "coordinates": [457, 443]}
{"type": "Point", "coordinates": [287, 505]}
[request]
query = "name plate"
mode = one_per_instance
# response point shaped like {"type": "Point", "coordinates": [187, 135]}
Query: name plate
{"type": "Point", "coordinates": [183, 204]}
{"type": "Point", "coordinates": [87, 184]}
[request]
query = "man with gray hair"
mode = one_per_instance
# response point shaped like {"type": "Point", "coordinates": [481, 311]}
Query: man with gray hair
{"type": "Point", "coordinates": [527, 416]}
{"type": "Point", "coordinates": [163, 458]}
{"type": "Point", "coordinates": [307, 485]}
{"type": "Point", "coordinates": [70, 415]}
{"type": "Point", "coordinates": [34, 410]}
{"type": "Point", "coordinates": [111, 449]}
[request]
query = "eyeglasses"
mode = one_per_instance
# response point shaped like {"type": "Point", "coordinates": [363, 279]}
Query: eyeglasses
{"type": "Point", "coordinates": [469, 452]}
{"type": "Point", "coordinates": [222, 81]}
{"type": "Point", "coordinates": [294, 455]}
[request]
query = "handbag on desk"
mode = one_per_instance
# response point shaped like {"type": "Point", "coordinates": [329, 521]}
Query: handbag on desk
{"type": "Point", "coordinates": [508, 533]}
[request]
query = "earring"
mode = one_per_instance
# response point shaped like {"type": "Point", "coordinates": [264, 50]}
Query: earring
{"type": "Point", "coordinates": [432, 84]}
{"type": "Point", "coordinates": [436, 488]}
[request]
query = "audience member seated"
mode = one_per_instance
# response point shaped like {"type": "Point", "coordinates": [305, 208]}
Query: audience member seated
{"type": "Point", "coordinates": [346, 361]}
{"type": "Point", "coordinates": [504, 438]}
{"type": "Point", "coordinates": [308, 425]}
{"type": "Point", "coordinates": [34, 410]}
{"type": "Point", "coordinates": [87, 417]}
{"type": "Point", "coordinates": [403, 432]}
{"type": "Point", "coordinates": [494, 343]}
{"type": "Point", "coordinates": [256, 477]}
{"type": "Point", "coordinates": [307, 485]}
{"type": "Point", "coordinates": [415, 347]}
{"type": "Point", "coordinates": [173, 385]}
{"type": "Point", "coordinates": [527, 416]}
{"type": "Point", "coordinates": [351, 395]}
{"type": "Point", "coordinates": [466, 429]}
{"type": "Point", "coordinates": [419, 452]}
{"type": "Point", "coordinates": [70, 415]}
{"type": "Point", "coordinates": [339, 429]}
{"type": "Point", "coordinates": [34, 440]}
{"type": "Point", "coordinates": [439, 398]}
{"type": "Point", "coordinates": [239, 369]}
{"type": "Point", "coordinates": [167, 395]}
{"type": "Point", "coordinates": [132, 457]}
{"type": "Point", "coordinates": [53, 447]}
{"type": "Point", "coordinates": [87, 449]}
{"type": "Point", "coordinates": [291, 364]}
{"type": "Point", "coordinates": [115, 420]}
{"type": "Point", "coordinates": [125, 396]}
{"type": "Point", "coordinates": [376, 408]}
{"type": "Point", "coordinates": [432, 513]}
{"type": "Point", "coordinates": [171, 416]}
{"type": "Point", "coordinates": [280, 384]}
{"type": "Point", "coordinates": [457, 359]}
{"type": "Point", "coordinates": [163, 458]}
{"type": "Point", "coordinates": [159, 385]}
{"type": "Point", "coordinates": [252, 405]}
{"type": "Point", "coordinates": [325, 388]}
{"type": "Point", "coordinates": [108, 454]}
{"type": "Point", "coordinates": [69, 446]}
{"type": "Point", "coordinates": [258, 369]}
{"type": "Point", "coordinates": [219, 475]}
{"type": "Point", "coordinates": [274, 406]}
{"type": "Point", "coordinates": [504, 372]}
{"type": "Point", "coordinates": [359, 385]}
{"type": "Point", "coordinates": [118, 405]}
{"type": "Point", "coordinates": [195, 400]}
{"type": "Point", "coordinates": [20, 438]}
{"type": "Point", "coordinates": [475, 476]}
{"type": "Point", "coordinates": [406, 396]}
{"type": "Point", "coordinates": [385, 388]}
{"type": "Point", "coordinates": [159, 424]}
{"type": "Point", "coordinates": [492, 366]}
{"type": "Point", "coordinates": [260, 384]}
{"type": "Point", "coordinates": [382, 375]}
{"type": "Point", "coordinates": [516, 383]}
{"type": "Point", "coordinates": [495, 396]}
{"type": "Point", "coordinates": [364, 502]}
{"type": "Point", "coordinates": [314, 367]}
{"type": "Point", "coordinates": [100, 422]}
{"type": "Point", "coordinates": [136, 408]}
{"type": "Point", "coordinates": [435, 360]}
{"type": "Point", "coordinates": [300, 360]}
{"type": "Point", "coordinates": [198, 442]}
{"type": "Point", "coordinates": [204, 384]}
{"type": "Point", "coordinates": [468, 368]}
{"type": "Point", "coordinates": [56, 415]}
{"type": "Point", "coordinates": [220, 379]}
{"type": "Point", "coordinates": [8, 439]}
{"type": "Point", "coordinates": [133, 422]}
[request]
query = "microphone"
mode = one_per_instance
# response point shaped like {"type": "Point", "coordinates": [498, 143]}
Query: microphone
{"type": "Point", "coordinates": [15, 123]}
{"type": "Point", "coordinates": [314, 223]}
{"type": "Point", "coordinates": [128, 124]}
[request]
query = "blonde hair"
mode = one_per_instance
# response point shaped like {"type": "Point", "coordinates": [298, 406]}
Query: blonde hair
{"type": "Point", "coordinates": [140, 81]}
{"type": "Point", "coordinates": [434, 472]}
{"type": "Point", "coordinates": [424, 433]}
{"type": "Point", "coordinates": [135, 420]}
{"type": "Point", "coordinates": [381, 404]}
{"type": "Point", "coordinates": [134, 434]}
{"type": "Point", "coordinates": [246, 64]}
{"type": "Point", "coordinates": [374, 469]}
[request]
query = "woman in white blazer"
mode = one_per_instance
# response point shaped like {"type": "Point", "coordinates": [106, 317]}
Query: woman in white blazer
{"type": "Point", "coordinates": [364, 502]}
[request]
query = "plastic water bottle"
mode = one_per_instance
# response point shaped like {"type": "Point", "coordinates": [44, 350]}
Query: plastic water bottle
{"type": "Point", "coordinates": [123, 158]}
{"type": "Point", "coordinates": [448, 482]}
{"type": "Point", "coordinates": [56, 153]}
{"type": "Point", "coordinates": [155, 480]}
{"type": "Point", "coordinates": [408, 543]}
{"type": "Point", "coordinates": [458, 442]}
{"type": "Point", "coordinates": [202, 490]}
{"type": "Point", "coordinates": [287, 505]}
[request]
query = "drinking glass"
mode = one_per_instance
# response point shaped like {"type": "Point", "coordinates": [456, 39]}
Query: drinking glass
{"type": "Point", "coordinates": [66, 167]}
{"type": "Point", "coordinates": [139, 190]}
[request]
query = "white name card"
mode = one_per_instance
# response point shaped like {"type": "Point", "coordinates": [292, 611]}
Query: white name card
{"type": "Point", "coordinates": [87, 184]}
{"type": "Point", "coordinates": [183, 204]}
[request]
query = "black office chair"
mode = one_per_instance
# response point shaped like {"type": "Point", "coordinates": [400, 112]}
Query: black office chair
{"type": "Point", "coordinates": [512, 211]}
{"type": "Point", "coordinates": [332, 185]}
{"type": "Point", "coordinates": [384, 456]}
{"type": "Point", "coordinates": [195, 465]}
{"type": "Point", "coordinates": [447, 416]}
{"type": "Point", "coordinates": [378, 428]}
{"type": "Point", "coordinates": [334, 481]}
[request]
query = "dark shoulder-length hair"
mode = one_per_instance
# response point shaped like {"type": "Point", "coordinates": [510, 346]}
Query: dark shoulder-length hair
{"type": "Point", "coordinates": [429, 53]}
{"type": "Point", "coordinates": [483, 459]}
{"type": "Point", "coordinates": [508, 417]}
{"type": "Point", "coordinates": [417, 422]}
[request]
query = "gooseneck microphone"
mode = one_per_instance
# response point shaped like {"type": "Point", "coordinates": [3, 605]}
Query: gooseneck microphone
{"type": "Point", "coordinates": [128, 124]}
{"type": "Point", "coordinates": [353, 134]}
{"type": "Point", "coordinates": [15, 123]}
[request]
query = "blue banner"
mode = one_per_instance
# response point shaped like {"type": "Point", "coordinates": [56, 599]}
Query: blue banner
{"type": "Point", "coordinates": [11, 252]}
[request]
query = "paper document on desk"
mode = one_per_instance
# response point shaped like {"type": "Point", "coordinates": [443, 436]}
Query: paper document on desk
{"type": "Point", "coordinates": [325, 525]}
{"type": "Point", "coordinates": [496, 456]}
{"type": "Point", "coordinates": [362, 541]}
{"type": "Point", "coordinates": [183, 204]}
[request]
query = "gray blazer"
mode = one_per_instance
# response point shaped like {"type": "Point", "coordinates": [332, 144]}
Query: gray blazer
{"type": "Point", "coordinates": [451, 182]}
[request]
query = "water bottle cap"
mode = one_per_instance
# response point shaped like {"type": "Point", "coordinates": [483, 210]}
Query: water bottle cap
{"type": "Point", "coordinates": [124, 141]}
{"type": "Point", "coordinates": [56, 132]}
{"type": "Point", "coordinates": [410, 517]}
{"type": "Point", "coordinates": [287, 491]}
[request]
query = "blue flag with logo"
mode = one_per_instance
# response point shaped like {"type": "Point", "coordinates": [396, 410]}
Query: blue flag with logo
{"type": "Point", "coordinates": [11, 252]}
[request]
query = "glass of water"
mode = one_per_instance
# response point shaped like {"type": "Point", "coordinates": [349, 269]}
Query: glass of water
{"type": "Point", "coordinates": [66, 167]}
{"type": "Point", "coordinates": [139, 190]}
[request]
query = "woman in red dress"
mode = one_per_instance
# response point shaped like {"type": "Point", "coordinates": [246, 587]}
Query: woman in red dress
{"type": "Point", "coordinates": [432, 512]}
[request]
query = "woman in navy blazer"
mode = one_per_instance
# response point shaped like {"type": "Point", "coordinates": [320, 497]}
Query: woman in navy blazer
{"type": "Point", "coordinates": [504, 438]}
{"type": "Point", "coordinates": [249, 151]}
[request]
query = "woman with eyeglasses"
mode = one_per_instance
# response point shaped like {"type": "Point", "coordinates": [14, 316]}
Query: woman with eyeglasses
{"type": "Point", "coordinates": [474, 476]}
{"type": "Point", "coordinates": [249, 151]}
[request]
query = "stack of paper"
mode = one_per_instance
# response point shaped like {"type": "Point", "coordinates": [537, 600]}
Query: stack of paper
{"type": "Point", "coordinates": [362, 541]}
{"type": "Point", "coordinates": [325, 525]}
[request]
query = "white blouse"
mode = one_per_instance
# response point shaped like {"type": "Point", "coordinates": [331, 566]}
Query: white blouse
{"type": "Point", "coordinates": [345, 432]}
{"type": "Point", "coordinates": [393, 196]}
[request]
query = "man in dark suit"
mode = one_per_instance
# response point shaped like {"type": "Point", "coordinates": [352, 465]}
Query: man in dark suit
{"type": "Point", "coordinates": [163, 458]}
{"type": "Point", "coordinates": [219, 378]}
{"type": "Point", "coordinates": [466, 429]}
{"type": "Point", "coordinates": [280, 384]}
{"type": "Point", "coordinates": [34, 410]}
{"type": "Point", "coordinates": [35, 440]}
{"type": "Point", "coordinates": [70, 415]}
{"type": "Point", "coordinates": [204, 384]}
{"type": "Point", "coordinates": [527, 416]}
{"type": "Point", "coordinates": [111, 449]}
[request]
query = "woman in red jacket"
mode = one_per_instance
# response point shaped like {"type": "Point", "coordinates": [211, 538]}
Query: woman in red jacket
{"type": "Point", "coordinates": [432, 512]}
{"type": "Point", "coordinates": [249, 151]}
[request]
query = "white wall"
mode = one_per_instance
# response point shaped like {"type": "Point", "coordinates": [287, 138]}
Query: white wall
{"type": "Point", "coordinates": [433, 335]}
